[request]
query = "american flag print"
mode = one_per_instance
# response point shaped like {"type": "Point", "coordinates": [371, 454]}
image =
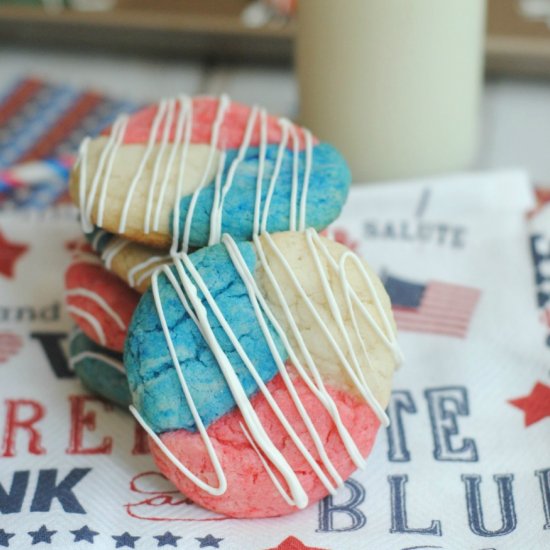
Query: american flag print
{"type": "Point", "coordinates": [435, 307]}
{"type": "Point", "coordinates": [10, 344]}
{"type": "Point", "coordinates": [41, 127]}
{"type": "Point", "coordinates": [41, 120]}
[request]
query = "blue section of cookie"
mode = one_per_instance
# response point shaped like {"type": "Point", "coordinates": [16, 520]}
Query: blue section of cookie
{"type": "Point", "coordinates": [153, 379]}
{"type": "Point", "coordinates": [328, 188]}
{"type": "Point", "coordinates": [94, 366]}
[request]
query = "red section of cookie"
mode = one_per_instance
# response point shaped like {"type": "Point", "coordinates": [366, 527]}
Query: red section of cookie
{"type": "Point", "coordinates": [250, 490]}
{"type": "Point", "coordinates": [100, 303]}
{"type": "Point", "coordinates": [232, 130]}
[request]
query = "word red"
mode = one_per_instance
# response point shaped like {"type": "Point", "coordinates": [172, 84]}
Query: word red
{"type": "Point", "coordinates": [23, 428]}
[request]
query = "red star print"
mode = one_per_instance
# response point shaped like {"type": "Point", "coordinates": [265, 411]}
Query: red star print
{"type": "Point", "coordinates": [536, 405]}
{"type": "Point", "coordinates": [9, 254]}
{"type": "Point", "coordinates": [10, 344]}
{"type": "Point", "coordinates": [292, 543]}
{"type": "Point", "coordinates": [543, 197]}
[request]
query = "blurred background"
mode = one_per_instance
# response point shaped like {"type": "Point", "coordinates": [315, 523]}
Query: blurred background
{"type": "Point", "coordinates": [135, 51]}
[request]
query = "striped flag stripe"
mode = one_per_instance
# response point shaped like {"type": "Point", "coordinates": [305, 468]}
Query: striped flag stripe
{"type": "Point", "coordinates": [462, 302]}
{"type": "Point", "coordinates": [40, 120]}
{"type": "Point", "coordinates": [462, 307]}
{"type": "Point", "coordinates": [444, 323]}
{"type": "Point", "coordinates": [435, 312]}
{"type": "Point", "coordinates": [460, 333]}
{"type": "Point", "coordinates": [444, 295]}
{"type": "Point", "coordinates": [63, 127]}
{"type": "Point", "coordinates": [49, 106]}
{"type": "Point", "coordinates": [18, 98]}
{"type": "Point", "coordinates": [413, 321]}
{"type": "Point", "coordinates": [441, 299]}
{"type": "Point", "coordinates": [449, 319]}
{"type": "Point", "coordinates": [430, 323]}
{"type": "Point", "coordinates": [434, 328]}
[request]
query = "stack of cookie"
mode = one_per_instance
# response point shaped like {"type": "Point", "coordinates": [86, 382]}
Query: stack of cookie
{"type": "Point", "coordinates": [257, 354]}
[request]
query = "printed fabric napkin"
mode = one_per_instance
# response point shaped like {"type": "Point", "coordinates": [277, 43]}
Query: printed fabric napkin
{"type": "Point", "coordinates": [41, 127]}
{"type": "Point", "coordinates": [465, 463]}
{"type": "Point", "coordinates": [40, 119]}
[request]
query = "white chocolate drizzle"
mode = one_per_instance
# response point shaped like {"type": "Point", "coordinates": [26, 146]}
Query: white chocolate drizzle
{"type": "Point", "coordinates": [100, 301]}
{"type": "Point", "coordinates": [145, 269]}
{"type": "Point", "coordinates": [139, 272]}
{"type": "Point", "coordinates": [187, 282]}
{"type": "Point", "coordinates": [97, 237]}
{"type": "Point", "coordinates": [115, 245]}
{"type": "Point", "coordinates": [94, 355]}
{"type": "Point", "coordinates": [91, 320]}
{"type": "Point", "coordinates": [93, 195]}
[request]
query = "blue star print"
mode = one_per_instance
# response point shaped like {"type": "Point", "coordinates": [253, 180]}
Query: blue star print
{"type": "Point", "coordinates": [5, 538]}
{"type": "Point", "coordinates": [167, 539]}
{"type": "Point", "coordinates": [42, 535]}
{"type": "Point", "coordinates": [84, 533]}
{"type": "Point", "coordinates": [125, 540]}
{"type": "Point", "coordinates": [209, 541]}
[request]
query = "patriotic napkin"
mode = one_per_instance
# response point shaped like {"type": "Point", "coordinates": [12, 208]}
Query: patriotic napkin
{"type": "Point", "coordinates": [40, 119]}
{"type": "Point", "coordinates": [41, 127]}
{"type": "Point", "coordinates": [465, 463]}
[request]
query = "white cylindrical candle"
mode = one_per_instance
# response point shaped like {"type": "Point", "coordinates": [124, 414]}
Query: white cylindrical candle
{"type": "Point", "coordinates": [394, 84]}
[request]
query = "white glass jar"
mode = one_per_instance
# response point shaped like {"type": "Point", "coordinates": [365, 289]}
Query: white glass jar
{"type": "Point", "coordinates": [394, 84]}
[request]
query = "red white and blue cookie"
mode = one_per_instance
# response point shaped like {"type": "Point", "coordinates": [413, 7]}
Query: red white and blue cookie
{"type": "Point", "coordinates": [183, 172]}
{"type": "Point", "coordinates": [99, 302]}
{"type": "Point", "coordinates": [133, 262]}
{"type": "Point", "coordinates": [99, 369]}
{"type": "Point", "coordinates": [261, 370]}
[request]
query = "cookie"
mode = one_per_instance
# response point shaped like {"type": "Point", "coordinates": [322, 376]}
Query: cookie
{"type": "Point", "coordinates": [132, 262]}
{"type": "Point", "coordinates": [261, 370]}
{"type": "Point", "coordinates": [182, 173]}
{"type": "Point", "coordinates": [99, 369]}
{"type": "Point", "coordinates": [98, 301]}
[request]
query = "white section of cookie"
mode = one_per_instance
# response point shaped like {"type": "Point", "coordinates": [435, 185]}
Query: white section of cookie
{"type": "Point", "coordinates": [378, 370]}
{"type": "Point", "coordinates": [123, 170]}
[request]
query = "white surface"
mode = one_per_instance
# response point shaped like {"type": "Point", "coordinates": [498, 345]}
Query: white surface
{"type": "Point", "coordinates": [469, 381]}
{"type": "Point", "coordinates": [515, 118]}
